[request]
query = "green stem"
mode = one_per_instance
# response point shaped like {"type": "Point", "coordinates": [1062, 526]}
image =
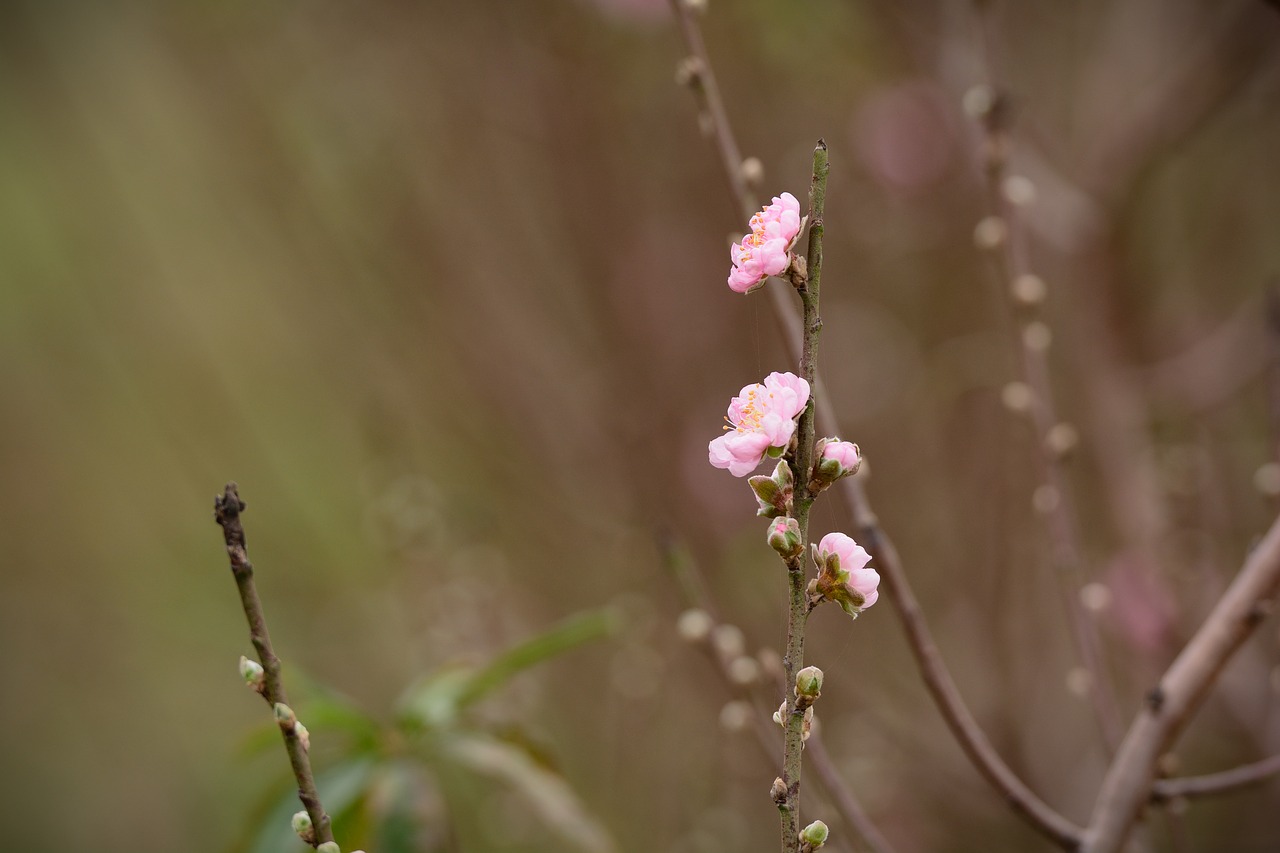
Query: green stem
{"type": "Point", "coordinates": [797, 576]}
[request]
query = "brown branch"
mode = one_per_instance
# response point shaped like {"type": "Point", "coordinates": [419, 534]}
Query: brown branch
{"type": "Point", "coordinates": [933, 669]}
{"type": "Point", "coordinates": [226, 511]}
{"type": "Point", "coordinates": [1004, 240]}
{"type": "Point", "coordinates": [1225, 781]}
{"type": "Point", "coordinates": [1129, 781]}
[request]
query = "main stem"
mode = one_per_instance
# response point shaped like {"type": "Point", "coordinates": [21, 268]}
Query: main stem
{"type": "Point", "coordinates": [802, 464]}
{"type": "Point", "coordinates": [226, 509]}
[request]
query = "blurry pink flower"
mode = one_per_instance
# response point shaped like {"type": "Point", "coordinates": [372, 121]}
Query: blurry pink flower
{"type": "Point", "coordinates": [761, 417]}
{"type": "Point", "coordinates": [766, 250]}
{"type": "Point", "coordinates": [853, 562]}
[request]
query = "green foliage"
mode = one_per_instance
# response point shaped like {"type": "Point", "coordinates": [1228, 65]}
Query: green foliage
{"type": "Point", "coordinates": [385, 788]}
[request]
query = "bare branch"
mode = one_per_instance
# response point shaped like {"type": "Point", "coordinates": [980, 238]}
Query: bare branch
{"type": "Point", "coordinates": [1223, 782]}
{"type": "Point", "coordinates": [226, 511]}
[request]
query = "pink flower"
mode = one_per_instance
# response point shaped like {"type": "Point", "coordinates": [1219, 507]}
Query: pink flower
{"type": "Point", "coordinates": [762, 417]}
{"type": "Point", "coordinates": [766, 250]}
{"type": "Point", "coordinates": [853, 563]}
{"type": "Point", "coordinates": [843, 453]}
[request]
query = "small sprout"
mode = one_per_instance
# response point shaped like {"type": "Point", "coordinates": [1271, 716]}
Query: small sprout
{"type": "Point", "coordinates": [775, 492]}
{"type": "Point", "coordinates": [814, 835]}
{"type": "Point", "coordinates": [694, 625]}
{"type": "Point", "coordinates": [990, 233]}
{"type": "Point", "coordinates": [302, 825]}
{"type": "Point", "coordinates": [1036, 336]}
{"type": "Point", "coordinates": [252, 673]}
{"type": "Point", "coordinates": [285, 717]}
{"type": "Point", "coordinates": [1017, 397]}
{"type": "Point", "coordinates": [304, 736]}
{"type": "Point", "coordinates": [809, 683]}
{"type": "Point", "coordinates": [1019, 190]}
{"type": "Point", "coordinates": [728, 640]}
{"type": "Point", "coordinates": [780, 715]}
{"type": "Point", "coordinates": [778, 791]}
{"type": "Point", "coordinates": [735, 716]}
{"type": "Point", "coordinates": [1029, 289]}
{"type": "Point", "coordinates": [979, 100]}
{"type": "Point", "coordinates": [1062, 439]}
{"type": "Point", "coordinates": [743, 671]}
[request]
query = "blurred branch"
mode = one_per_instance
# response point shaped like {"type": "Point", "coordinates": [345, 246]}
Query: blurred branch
{"type": "Point", "coordinates": [227, 508]}
{"type": "Point", "coordinates": [1216, 783]}
{"type": "Point", "coordinates": [1129, 781]}
{"type": "Point", "coordinates": [1000, 234]}
{"type": "Point", "coordinates": [933, 670]}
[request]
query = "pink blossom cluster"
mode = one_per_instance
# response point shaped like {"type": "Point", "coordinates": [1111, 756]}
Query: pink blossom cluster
{"type": "Point", "coordinates": [853, 560]}
{"type": "Point", "coordinates": [766, 250]}
{"type": "Point", "coordinates": [761, 418]}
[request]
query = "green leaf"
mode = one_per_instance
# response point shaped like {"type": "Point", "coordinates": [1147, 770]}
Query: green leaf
{"type": "Point", "coordinates": [550, 797]}
{"type": "Point", "coordinates": [341, 788]}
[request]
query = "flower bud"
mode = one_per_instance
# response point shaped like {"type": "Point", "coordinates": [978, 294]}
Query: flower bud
{"type": "Point", "coordinates": [329, 847]}
{"type": "Point", "coordinates": [304, 736]}
{"type": "Point", "coordinates": [780, 715]}
{"type": "Point", "coordinates": [809, 682]}
{"type": "Point", "coordinates": [835, 459]}
{"type": "Point", "coordinates": [285, 717]}
{"type": "Point", "coordinates": [814, 835]}
{"type": "Point", "coordinates": [778, 791]}
{"type": "Point", "coordinates": [775, 492]}
{"type": "Point", "coordinates": [252, 673]}
{"type": "Point", "coordinates": [302, 825]}
{"type": "Point", "coordinates": [694, 625]}
{"type": "Point", "coordinates": [784, 537]}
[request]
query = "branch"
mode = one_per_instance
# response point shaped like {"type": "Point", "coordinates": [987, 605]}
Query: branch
{"type": "Point", "coordinates": [1129, 781]}
{"type": "Point", "coordinates": [1189, 787]}
{"type": "Point", "coordinates": [1001, 233]}
{"type": "Point", "coordinates": [226, 511]}
{"type": "Point", "coordinates": [933, 670]}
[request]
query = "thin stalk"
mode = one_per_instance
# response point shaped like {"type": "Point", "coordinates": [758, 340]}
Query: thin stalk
{"type": "Point", "coordinates": [1225, 781]}
{"type": "Point", "coordinates": [227, 508]}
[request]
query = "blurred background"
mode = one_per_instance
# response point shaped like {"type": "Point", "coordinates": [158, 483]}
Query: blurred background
{"type": "Point", "coordinates": [441, 285]}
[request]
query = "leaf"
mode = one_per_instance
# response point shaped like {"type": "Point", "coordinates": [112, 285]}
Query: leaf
{"type": "Point", "coordinates": [550, 796]}
{"type": "Point", "coordinates": [437, 701]}
{"type": "Point", "coordinates": [340, 787]}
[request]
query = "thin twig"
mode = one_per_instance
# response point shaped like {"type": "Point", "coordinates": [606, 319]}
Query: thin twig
{"type": "Point", "coordinates": [1169, 707]}
{"type": "Point", "coordinates": [226, 511]}
{"type": "Point", "coordinates": [1222, 782]}
{"type": "Point", "coordinates": [933, 669]}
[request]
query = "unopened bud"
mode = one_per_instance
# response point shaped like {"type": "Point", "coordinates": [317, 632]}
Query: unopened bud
{"type": "Point", "coordinates": [835, 459]}
{"type": "Point", "coordinates": [1019, 190]}
{"type": "Point", "coordinates": [252, 673]}
{"type": "Point", "coordinates": [688, 71]}
{"type": "Point", "coordinates": [301, 824]}
{"type": "Point", "coordinates": [694, 625]}
{"type": "Point", "coordinates": [752, 171]}
{"type": "Point", "coordinates": [990, 233]}
{"type": "Point", "coordinates": [329, 847]}
{"type": "Point", "coordinates": [728, 640]}
{"type": "Point", "coordinates": [1029, 289]}
{"type": "Point", "coordinates": [285, 717]}
{"type": "Point", "coordinates": [814, 835]}
{"type": "Point", "coordinates": [774, 493]}
{"type": "Point", "coordinates": [778, 791]}
{"type": "Point", "coordinates": [784, 537]}
{"type": "Point", "coordinates": [780, 715]}
{"type": "Point", "coordinates": [809, 682]}
{"type": "Point", "coordinates": [304, 736]}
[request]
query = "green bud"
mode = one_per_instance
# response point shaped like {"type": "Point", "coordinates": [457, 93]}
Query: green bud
{"type": "Point", "coordinates": [301, 824]}
{"type": "Point", "coordinates": [809, 682]}
{"type": "Point", "coordinates": [775, 492]}
{"type": "Point", "coordinates": [329, 847]}
{"type": "Point", "coordinates": [285, 717]}
{"type": "Point", "coordinates": [304, 736]}
{"type": "Point", "coordinates": [252, 673]}
{"type": "Point", "coordinates": [814, 835]}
